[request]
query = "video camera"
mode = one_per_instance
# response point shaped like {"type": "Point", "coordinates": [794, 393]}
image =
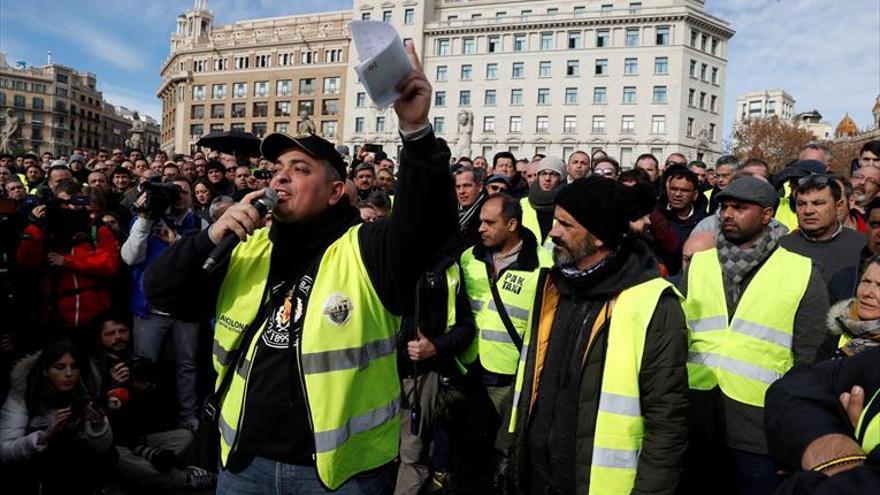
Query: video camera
{"type": "Point", "coordinates": [160, 197]}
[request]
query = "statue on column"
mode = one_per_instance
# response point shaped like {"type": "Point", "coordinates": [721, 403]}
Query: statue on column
{"type": "Point", "coordinates": [306, 124]}
{"type": "Point", "coordinates": [465, 133]}
{"type": "Point", "coordinates": [136, 133]}
{"type": "Point", "coordinates": [9, 130]}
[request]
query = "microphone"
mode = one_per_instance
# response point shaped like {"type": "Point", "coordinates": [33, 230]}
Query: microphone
{"type": "Point", "coordinates": [224, 248]}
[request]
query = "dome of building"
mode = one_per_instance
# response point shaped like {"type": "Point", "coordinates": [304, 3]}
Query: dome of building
{"type": "Point", "coordinates": [846, 127]}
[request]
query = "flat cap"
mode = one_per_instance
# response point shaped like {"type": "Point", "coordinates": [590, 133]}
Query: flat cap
{"type": "Point", "coordinates": [752, 190]}
{"type": "Point", "coordinates": [276, 144]}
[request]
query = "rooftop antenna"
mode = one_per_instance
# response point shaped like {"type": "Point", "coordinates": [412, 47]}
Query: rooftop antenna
{"type": "Point", "coordinates": [49, 57]}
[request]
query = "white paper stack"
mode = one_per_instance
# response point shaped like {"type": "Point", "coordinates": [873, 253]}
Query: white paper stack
{"type": "Point", "coordinates": [384, 62]}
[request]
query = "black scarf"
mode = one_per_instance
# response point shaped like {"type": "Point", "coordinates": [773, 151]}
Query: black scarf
{"type": "Point", "coordinates": [542, 200]}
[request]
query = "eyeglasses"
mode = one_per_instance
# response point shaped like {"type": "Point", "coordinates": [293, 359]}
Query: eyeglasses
{"type": "Point", "coordinates": [670, 163]}
{"type": "Point", "coordinates": [496, 188]}
{"type": "Point", "coordinates": [604, 173]}
{"type": "Point", "coordinates": [818, 181]}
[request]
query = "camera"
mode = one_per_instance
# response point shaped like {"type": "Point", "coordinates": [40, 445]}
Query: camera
{"type": "Point", "coordinates": [263, 174]}
{"type": "Point", "coordinates": [141, 372]}
{"type": "Point", "coordinates": [160, 196]}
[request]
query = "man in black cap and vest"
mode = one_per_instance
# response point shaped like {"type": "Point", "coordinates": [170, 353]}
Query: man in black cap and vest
{"type": "Point", "coordinates": [600, 396]}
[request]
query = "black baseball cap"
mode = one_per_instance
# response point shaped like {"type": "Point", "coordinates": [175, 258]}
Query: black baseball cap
{"type": "Point", "coordinates": [313, 145]}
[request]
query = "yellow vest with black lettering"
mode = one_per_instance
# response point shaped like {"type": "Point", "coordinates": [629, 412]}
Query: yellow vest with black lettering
{"type": "Point", "coordinates": [743, 355]}
{"type": "Point", "coordinates": [346, 354]}
{"type": "Point", "coordinates": [868, 428]}
{"type": "Point", "coordinates": [620, 426]}
{"type": "Point", "coordinates": [517, 288]}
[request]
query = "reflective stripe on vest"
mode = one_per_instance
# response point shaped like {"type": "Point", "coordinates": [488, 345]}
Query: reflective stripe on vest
{"type": "Point", "coordinates": [347, 356]}
{"type": "Point", "coordinates": [869, 436]}
{"type": "Point", "coordinates": [751, 352]}
{"type": "Point", "coordinates": [517, 288]}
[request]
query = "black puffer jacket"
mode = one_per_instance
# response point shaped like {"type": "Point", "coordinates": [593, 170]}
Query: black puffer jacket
{"type": "Point", "coordinates": [554, 441]}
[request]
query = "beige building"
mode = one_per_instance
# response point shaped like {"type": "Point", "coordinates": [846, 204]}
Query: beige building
{"type": "Point", "coordinates": [812, 121]}
{"type": "Point", "coordinates": [257, 76]}
{"type": "Point", "coordinates": [761, 104]}
{"type": "Point", "coordinates": [629, 77]}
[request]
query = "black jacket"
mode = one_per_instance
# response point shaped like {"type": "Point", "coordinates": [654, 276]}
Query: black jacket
{"type": "Point", "coordinates": [554, 442]}
{"type": "Point", "coordinates": [803, 406]}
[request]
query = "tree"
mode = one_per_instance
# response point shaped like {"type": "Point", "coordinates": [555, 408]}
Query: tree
{"type": "Point", "coordinates": [772, 139]}
{"type": "Point", "coordinates": [843, 151]}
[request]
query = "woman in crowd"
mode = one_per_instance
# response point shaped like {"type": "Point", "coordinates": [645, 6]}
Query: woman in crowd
{"type": "Point", "coordinates": [202, 203]}
{"type": "Point", "coordinates": [52, 431]}
{"type": "Point", "coordinates": [855, 323]}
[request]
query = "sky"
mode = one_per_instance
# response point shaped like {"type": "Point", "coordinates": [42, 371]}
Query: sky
{"type": "Point", "coordinates": [824, 53]}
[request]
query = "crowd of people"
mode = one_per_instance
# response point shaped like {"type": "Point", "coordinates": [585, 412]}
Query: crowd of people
{"type": "Point", "coordinates": [438, 325]}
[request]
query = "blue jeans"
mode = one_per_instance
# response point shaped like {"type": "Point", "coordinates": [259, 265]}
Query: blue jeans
{"type": "Point", "coordinates": [754, 474]}
{"type": "Point", "coordinates": [149, 334]}
{"type": "Point", "coordinates": [264, 477]}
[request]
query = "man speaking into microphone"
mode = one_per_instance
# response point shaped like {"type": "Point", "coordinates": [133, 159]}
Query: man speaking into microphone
{"type": "Point", "coordinates": [308, 309]}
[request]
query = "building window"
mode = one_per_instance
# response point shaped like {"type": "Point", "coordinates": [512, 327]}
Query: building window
{"type": "Point", "coordinates": [62, 78]}
{"type": "Point", "coordinates": [603, 38]}
{"type": "Point", "coordinates": [519, 42]}
{"type": "Point", "coordinates": [542, 124]}
{"type": "Point", "coordinates": [714, 75]}
{"type": "Point", "coordinates": [282, 87]}
{"type": "Point", "coordinates": [328, 128]}
{"type": "Point", "coordinates": [199, 66]}
{"type": "Point", "coordinates": [702, 100]}
{"type": "Point", "coordinates": [703, 71]}
{"type": "Point", "coordinates": [635, 7]}
{"type": "Point", "coordinates": [282, 109]}
{"type": "Point", "coordinates": [239, 127]}
{"type": "Point", "coordinates": [572, 68]}
{"type": "Point", "coordinates": [261, 89]}
{"type": "Point", "coordinates": [659, 94]}
{"type": "Point", "coordinates": [468, 46]}
{"type": "Point", "coordinates": [196, 130]}
{"type": "Point", "coordinates": [197, 112]}
{"type": "Point", "coordinates": [409, 17]}
{"type": "Point", "coordinates": [518, 70]}
{"type": "Point", "coordinates": [307, 86]}
{"type": "Point", "coordinates": [630, 66]}
{"type": "Point", "coordinates": [663, 35]}
{"type": "Point", "coordinates": [439, 124]}
{"type": "Point", "coordinates": [332, 85]}
{"type": "Point", "coordinates": [262, 61]}
{"type": "Point", "coordinates": [658, 124]}
{"type": "Point", "coordinates": [380, 124]}
{"type": "Point", "coordinates": [580, 11]}
{"type": "Point", "coordinates": [569, 124]}
{"type": "Point", "coordinates": [598, 123]}
{"type": "Point", "coordinates": [442, 73]}
{"type": "Point", "coordinates": [691, 94]}
{"type": "Point", "coordinates": [365, 16]}
{"type": "Point", "coordinates": [282, 127]}
{"type": "Point", "coordinates": [285, 59]}
{"type": "Point", "coordinates": [703, 41]}
{"type": "Point", "coordinates": [260, 109]}
{"type": "Point", "coordinates": [515, 124]}
{"type": "Point", "coordinates": [440, 99]}
{"type": "Point", "coordinates": [602, 67]}
{"type": "Point", "coordinates": [600, 95]}
{"type": "Point", "coordinates": [198, 93]}
{"type": "Point", "coordinates": [494, 44]}
{"type": "Point", "coordinates": [628, 124]}
{"type": "Point", "coordinates": [690, 127]}
{"type": "Point", "coordinates": [693, 68]}
{"type": "Point", "coordinates": [543, 96]}
{"type": "Point", "coordinates": [694, 36]}
{"type": "Point", "coordinates": [574, 40]}
{"type": "Point", "coordinates": [714, 46]}
{"type": "Point", "coordinates": [516, 96]}
{"type": "Point", "coordinates": [464, 98]}
{"type": "Point", "coordinates": [661, 65]}
{"type": "Point", "coordinates": [443, 47]}
{"type": "Point", "coordinates": [552, 12]}
{"type": "Point", "coordinates": [218, 111]}
{"type": "Point", "coordinates": [491, 71]}
{"type": "Point", "coordinates": [489, 123]}
{"type": "Point", "coordinates": [571, 96]}
{"type": "Point", "coordinates": [712, 132]}
{"type": "Point", "coordinates": [713, 104]}
{"type": "Point", "coordinates": [544, 68]}
{"type": "Point", "coordinates": [359, 125]}
{"type": "Point", "coordinates": [308, 57]}
{"type": "Point", "coordinates": [329, 107]}
{"type": "Point", "coordinates": [490, 98]}
{"type": "Point", "coordinates": [629, 94]}
{"type": "Point", "coordinates": [239, 90]}
{"type": "Point", "coordinates": [386, 16]}
{"type": "Point", "coordinates": [524, 14]}
{"type": "Point", "coordinates": [466, 72]}
{"type": "Point", "coordinates": [239, 110]}
{"type": "Point", "coordinates": [361, 100]}
{"type": "Point", "coordinates": [38, 103]}
{"type": "Point", "coordinates": [632, 37]}
{"type": "Point", "coordinates": [242, 62]}
{"type": "Point", "coordinates": [258, 129]}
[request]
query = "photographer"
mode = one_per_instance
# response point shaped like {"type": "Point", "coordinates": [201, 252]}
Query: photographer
{"type": "Point", "coordinates": [51, 431]}
{"type": "Point", "coordinates": [164, 216]}
{"type": "Point", "coordinates": [149, 455]}
{"type": "Point", "coordinates": [72, 256]}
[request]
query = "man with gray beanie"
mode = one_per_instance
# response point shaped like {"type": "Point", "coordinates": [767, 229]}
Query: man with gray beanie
{"type": "Point", "coordinates": [600, 397]}
{"type": "Point", "coordinates": [538, 206]}
{"type": "Point", "coordinates": [754, 310]}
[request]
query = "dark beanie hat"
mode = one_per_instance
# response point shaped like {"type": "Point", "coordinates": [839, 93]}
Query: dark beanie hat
{"type": "Point", "coordinates": [605, 207]}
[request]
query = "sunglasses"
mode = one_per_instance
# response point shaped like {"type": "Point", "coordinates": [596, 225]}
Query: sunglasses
{"type": "Point", "coordinates": [818, 181]}
{"type": "Point", "coordinates": [671, 163]}
{"type": "Point", "coordinates": [604, 173]}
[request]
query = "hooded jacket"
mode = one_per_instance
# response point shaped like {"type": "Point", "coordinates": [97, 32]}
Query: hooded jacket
{"type": "Point", "coordinates": [554, 437]}
{"type": "Point", "coordinates": [20, 428]}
